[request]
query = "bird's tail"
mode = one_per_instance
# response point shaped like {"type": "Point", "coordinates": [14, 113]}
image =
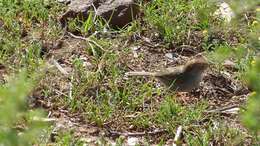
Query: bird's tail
{"type": "Point", "coordinates": [136, 73]}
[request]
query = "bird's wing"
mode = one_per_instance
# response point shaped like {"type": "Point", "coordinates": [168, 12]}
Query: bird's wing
{"type": "Point", "coordinates": [171, 71]}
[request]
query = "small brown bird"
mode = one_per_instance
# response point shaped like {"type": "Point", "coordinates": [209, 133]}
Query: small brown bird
{"type": "Point", "coordinates": [182, 78]}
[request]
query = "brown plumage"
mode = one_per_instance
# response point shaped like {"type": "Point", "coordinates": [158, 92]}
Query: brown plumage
{"type": "Point", "coordinates": [181, 78]}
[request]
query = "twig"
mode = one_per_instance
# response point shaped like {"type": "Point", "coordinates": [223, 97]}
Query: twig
{"type": "Point", "coordinates": [58, 66]}
{"type": "Point", "coordinates": [224, 109]}
{"type": "Point", "coordinates": [131, 116]}
{"type": "Point", "coordinates": [64, 72]}
{"type": "Point", "coordinates": [150, 44]}
{"type": "Point", "coordinates": [186, 48]}
{"type": "Point", "coordinates": [70, 88]}
{"type": "Point", "coordinates": [86, 39]}
{"type": "Point", "coordinates": [47, 120]}
{"type": "Point", "coordinates": [95, 10]}
{"type": "Point", "coordinates": [117, 133]}
{"type": "Point", "coordinates": [177, 136]}
{"type": "Point", "coordinates": [101, 62]}
{"type": "Point", "coordinates": [59, 92]}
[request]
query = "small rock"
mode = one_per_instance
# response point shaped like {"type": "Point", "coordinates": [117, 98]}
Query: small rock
{"type": "Point", "coordinates": [224, 11]}
{"type": "Point", "coordinates": [169, 55]}
{"type": "Point", "coordinates": [146, 39]}
{"type": "Point", "coordinates": [229, 64]}
{"type": "Point", "coordinates": [134, 50]}
{"type": "Point", "coordinates": [131, 126]}
{"type": "Point", "coordinates": [132, 141]}
{"type": "Point", "coordinates": [118, 12]}
{"type": "Point", "coordinates": [77, 8]}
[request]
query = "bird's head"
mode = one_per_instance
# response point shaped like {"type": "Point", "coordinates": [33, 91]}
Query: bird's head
{"type": "Point", "coordinates": [197, 65]}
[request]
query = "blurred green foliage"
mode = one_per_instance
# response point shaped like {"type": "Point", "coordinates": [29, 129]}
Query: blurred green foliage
{"type": "Point", "coordinates": [251, 117]}
{"type": "Point", "coordinates": [17, 124]}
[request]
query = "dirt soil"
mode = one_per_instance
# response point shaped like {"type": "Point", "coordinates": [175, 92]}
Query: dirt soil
{"type": "Point", "coordinates": [219, 89]}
